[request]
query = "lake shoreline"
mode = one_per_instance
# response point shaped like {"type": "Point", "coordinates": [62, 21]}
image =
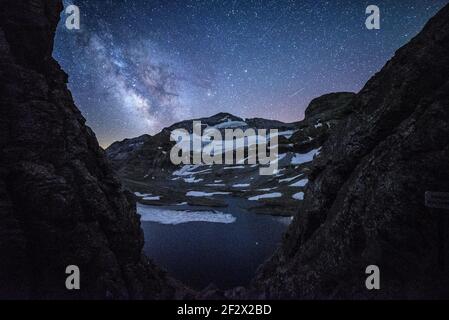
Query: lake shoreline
{"type": "Point", "coordinates": [224, 250]}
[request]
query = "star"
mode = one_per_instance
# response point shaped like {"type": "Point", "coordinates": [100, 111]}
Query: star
{"type": "Point", "coordinates": [138, 66]}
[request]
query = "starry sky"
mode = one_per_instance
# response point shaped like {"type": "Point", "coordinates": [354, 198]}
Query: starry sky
{"type": "Point", "coordinates": [137, 66]}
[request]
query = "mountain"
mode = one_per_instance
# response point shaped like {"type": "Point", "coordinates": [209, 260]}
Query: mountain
{"type": "Point", "coordinates": [120, 151]}
{"type": "Point", "coordinates": [355, 171]}
{"type": "Point", "coordinates": [60, 203]}
{"type": "Point", "coordinates": [364, 204]}
{"type": "Point", "coordinates": [144, 164]}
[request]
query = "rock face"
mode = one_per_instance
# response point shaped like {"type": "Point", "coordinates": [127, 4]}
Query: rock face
{"type": "Point", "coordinates": [323, 114]}
{"type": "Point", "coordinates": [364, 204]}
{"type": "Point", "coordinates": [60, 203]}
{"type": "Point", "coordinates": [121, 151]}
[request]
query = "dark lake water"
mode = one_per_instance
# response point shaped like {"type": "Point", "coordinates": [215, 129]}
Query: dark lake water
{"type": "Point", "coordinates": [226, 252]}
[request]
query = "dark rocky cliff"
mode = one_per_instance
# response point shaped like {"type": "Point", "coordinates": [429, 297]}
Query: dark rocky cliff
{"type": "Point", "coordinates": [365, 202]}
{"type": "Point", "coordinates": [60, 203]}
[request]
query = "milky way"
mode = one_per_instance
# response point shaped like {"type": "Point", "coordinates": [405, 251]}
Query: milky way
{"type": "Point", "coordinates": [138, 66]}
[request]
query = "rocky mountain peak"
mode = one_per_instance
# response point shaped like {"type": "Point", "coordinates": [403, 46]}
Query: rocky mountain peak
{"type": "Point", "coordinates": [224, 116]}
{"type": "Point", "coordinates": [328, 104]}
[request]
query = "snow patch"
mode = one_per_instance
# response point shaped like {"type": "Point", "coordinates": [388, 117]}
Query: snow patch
{"type": "Point", "coordinates": [298, 196]}
{"type": "Point", "coordinates": [231, 124]}
{"type": "Point", "coordinates": [204, 194]}
{"type": "Point", "coordinates": [138, 194]}
{"type": "Point", "coordinates": [290, 179]}
{"type": "Point", "coordinates": [287, 134]}
{"type": "Point", "coordinates": [188, 170]}
{"type": "Point", "coordinates": [266, 196]}
{"type": "Point", "coordinates": [173, 217]}
{"type": "Point", "coordinates": [152, 198]}
{"type": "Point", "coordinates": [300, 183]}
{"type": "Point", "coordinates": [234, 167]}
{"type": "Point", "coordinates": [192, 180]}
{"type": "Point", "coordinates": [279, 157]}
{"type": "Point", "coordinates": [241, 185]}
{"type": "Point", "coordinates": [300, 158]}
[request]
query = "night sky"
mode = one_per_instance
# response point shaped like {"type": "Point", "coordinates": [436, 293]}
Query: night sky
{"type": "Point", "coordinates": [138, 66]}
